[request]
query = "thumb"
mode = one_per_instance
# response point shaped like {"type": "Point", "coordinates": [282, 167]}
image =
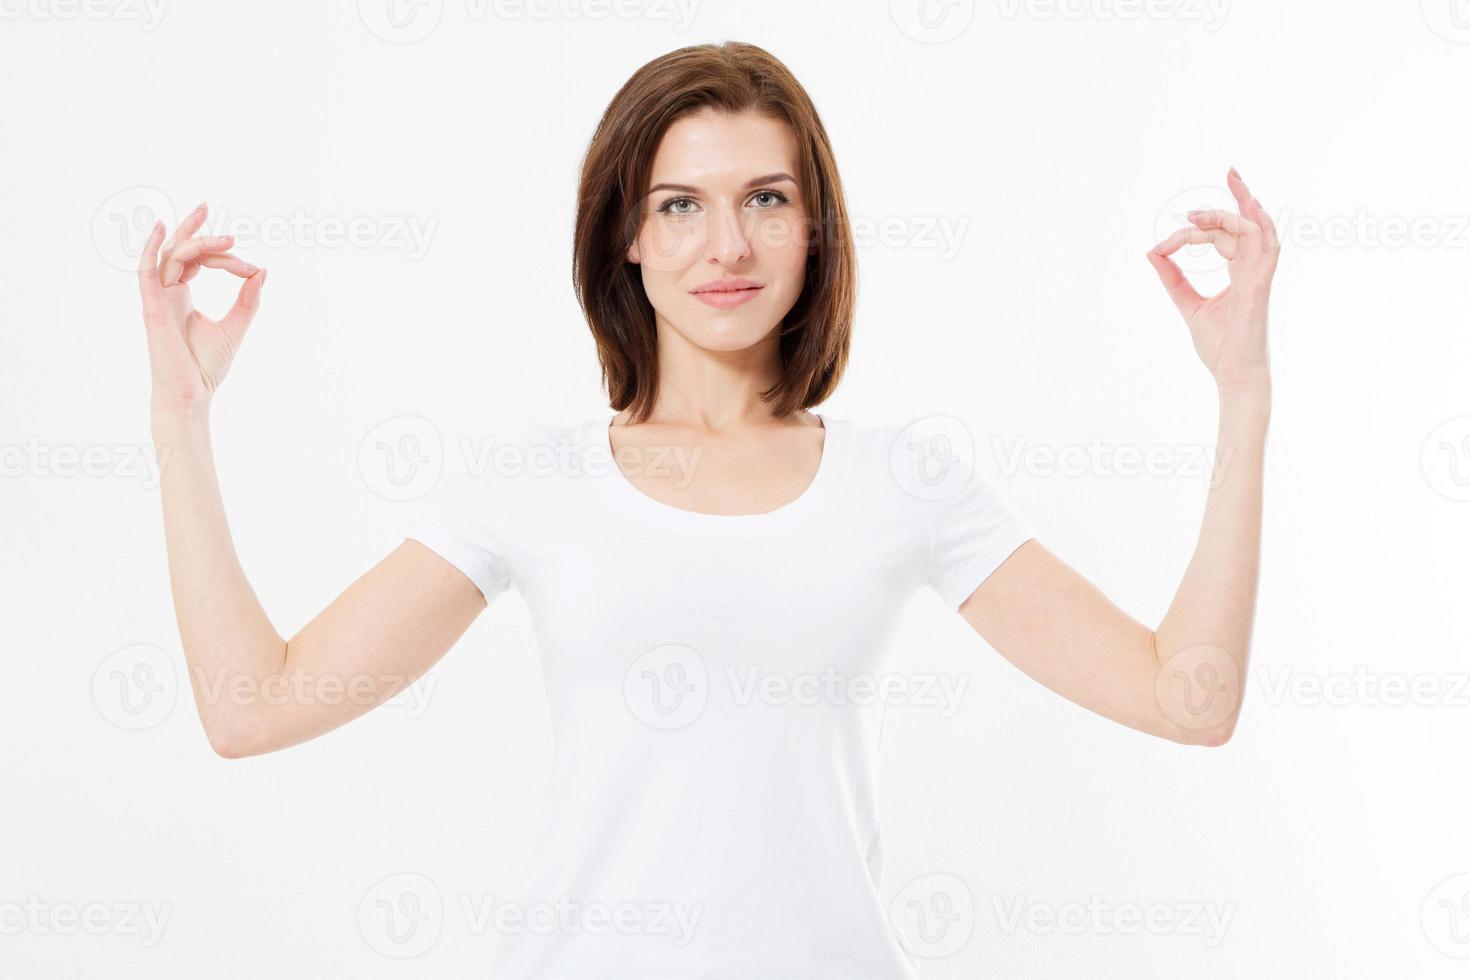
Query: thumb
{"type": "Point", "coordinates": [1175, 283]}
{"type": "Point", "coordinates": [237, 321]}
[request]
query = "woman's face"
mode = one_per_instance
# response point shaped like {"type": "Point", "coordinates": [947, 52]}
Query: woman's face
{"type": "Point", "coordinates": [723, 203]}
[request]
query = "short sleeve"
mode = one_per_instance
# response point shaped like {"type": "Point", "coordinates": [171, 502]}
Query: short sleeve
{"type": "Point", "coordinates": [461, 521]}
{"type": "Point", "coordinates": [971, 533]}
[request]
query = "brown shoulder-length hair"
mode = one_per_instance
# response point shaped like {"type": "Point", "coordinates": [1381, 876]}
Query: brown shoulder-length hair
{"type": "Point", "coordinates": [730, 77]}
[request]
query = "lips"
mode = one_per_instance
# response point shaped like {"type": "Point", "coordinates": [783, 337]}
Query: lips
{"type": "Point", "coordinates": [728, 285]}
{"type": "Point", "coordinates": [725, 296]}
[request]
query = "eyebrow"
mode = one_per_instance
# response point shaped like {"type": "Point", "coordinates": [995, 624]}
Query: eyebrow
{"type": "Point", "coordinates": [755, 182]}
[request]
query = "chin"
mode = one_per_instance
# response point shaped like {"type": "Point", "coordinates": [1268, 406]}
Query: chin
{"type": "Point", "coordinates": [727, 332]}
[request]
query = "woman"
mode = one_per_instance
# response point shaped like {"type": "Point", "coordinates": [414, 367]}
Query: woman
{"type": "Point", "coordinates": [707, 620]}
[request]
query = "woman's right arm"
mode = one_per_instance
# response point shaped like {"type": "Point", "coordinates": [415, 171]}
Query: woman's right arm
{"type": "Point", "coordinates": [257, 692]}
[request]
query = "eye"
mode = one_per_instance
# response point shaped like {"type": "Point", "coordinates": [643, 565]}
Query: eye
{"type": "Point", "coordinates": [668, 206]}
{"type": "Point", "coordinates": [677, 205]}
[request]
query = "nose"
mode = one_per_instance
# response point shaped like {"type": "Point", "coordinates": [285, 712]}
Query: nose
{"type": "Point", "coordinates": [728, 241]}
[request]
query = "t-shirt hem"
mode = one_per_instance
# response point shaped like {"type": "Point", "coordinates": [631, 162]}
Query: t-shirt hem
{"type": "Point", "coordinates": [445, 545]}
{"type": "Point", "coordinates": [1002, 543]}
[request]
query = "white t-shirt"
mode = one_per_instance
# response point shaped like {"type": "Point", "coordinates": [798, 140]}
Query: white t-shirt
{"type": "Point", "coordinates": [712, 684]}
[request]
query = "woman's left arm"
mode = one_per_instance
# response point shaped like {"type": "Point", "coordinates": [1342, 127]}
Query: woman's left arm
{"type": "Point", "coordinates": [1184, 679]}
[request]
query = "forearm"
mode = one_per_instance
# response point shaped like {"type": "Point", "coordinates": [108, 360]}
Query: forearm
{"type": "Point", "coordinates": [229, 643]}
{"type": "Point", "coordinates": [1211, 616]}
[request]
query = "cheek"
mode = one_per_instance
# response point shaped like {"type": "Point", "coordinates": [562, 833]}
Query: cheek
{"type": "Point", "coordinates": [784, 247]}
{"type": "Point", "coordinates": [670, 246]}
{"type": "Point", "coordinates": [786, 232]}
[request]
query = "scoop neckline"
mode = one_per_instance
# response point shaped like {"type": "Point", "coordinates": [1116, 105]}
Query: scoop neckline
{"type": "Point", "coordinates": [807, 502]}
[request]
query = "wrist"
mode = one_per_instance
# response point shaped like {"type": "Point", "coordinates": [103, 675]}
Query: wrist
{"type": "Point", "coordinates": [173, 417]}
{"type": "Point", "coordinates": [1246, 400]}
{"type": "Point", "coordinates": [1254, 389]}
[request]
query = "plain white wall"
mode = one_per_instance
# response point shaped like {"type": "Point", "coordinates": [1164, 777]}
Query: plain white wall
{"type": "Point", "coordinates": [1018, 157]}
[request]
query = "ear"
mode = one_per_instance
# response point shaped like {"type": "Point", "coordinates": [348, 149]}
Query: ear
{"type": "Point", "coordinates": [634, 255]}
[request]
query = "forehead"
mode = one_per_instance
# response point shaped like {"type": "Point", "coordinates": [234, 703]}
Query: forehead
{"type": "Point", "coordinates": [712, 149]}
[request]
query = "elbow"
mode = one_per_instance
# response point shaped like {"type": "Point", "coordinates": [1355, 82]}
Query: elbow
{"type": "Point", "coordinates": [1213, 737]}
{"type": "Point", "coordinates": [1198, 691]}
{"type": "Point", "coordinates": [232, 741]}
{"type": "Point", "coordinates": [228, 751]}
{"type": "Point", "coordinates": [225, 749]}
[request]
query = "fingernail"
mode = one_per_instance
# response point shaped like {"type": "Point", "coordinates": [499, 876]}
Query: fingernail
{"type": "Point", "coordinates": [263, 273]}
{"type": "Point", "coordinates": [1197, 211]}
{"type": "Point", "coordinates": [158, 225]}
{"type": "Point", "coordinates": [1235, 172]}
{"type": "Point", "coordinates": [199, 208]}
{"type": "Point", "coordinates": [253, 268]}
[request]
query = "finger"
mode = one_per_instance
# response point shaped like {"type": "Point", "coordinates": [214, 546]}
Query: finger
{"type": "Point", "coordinates": [1246, 231]}
{"type": "Point", "coordinates": [188, 226]}
{"type": "Point", "coordinates": [1270, 241]}
{"type": "Point", "coordinates": [1180, 291]}
{"type": "Point", "coordinates": [174, 261]}
{"type": "Point", "coordinates": [1223, 241]}
{"type": "Point", "coordinates": [1238, 190]}
{"type": "Point", "coordinates": [237, 321]}
{"type": "Point", "coordinates": [1251, 207]}
{"type": "Point", "coordinates": [226, 261]}
{"type": "Point", "coordinates": [148, 264]}
{"type": "Point", "coordinates": [230, 263]}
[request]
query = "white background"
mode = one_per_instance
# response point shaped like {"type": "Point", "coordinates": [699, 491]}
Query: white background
{"type": "Point", "coordinates": [1054, 145]}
